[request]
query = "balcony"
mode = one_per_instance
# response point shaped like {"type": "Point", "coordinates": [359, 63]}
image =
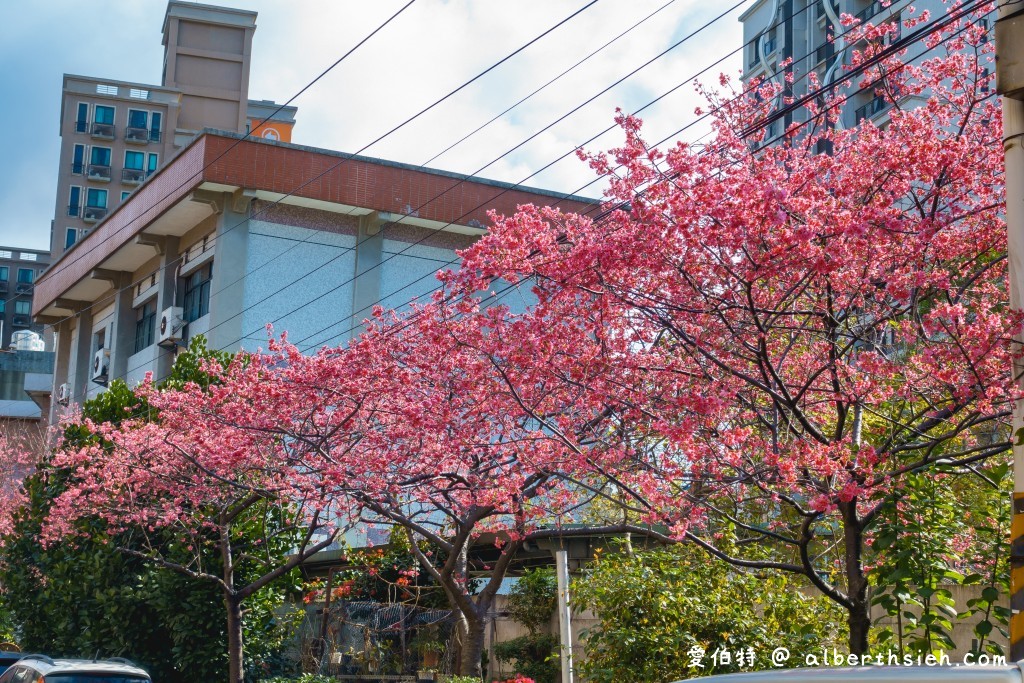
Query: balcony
{"type": "Point", "coordinates": [138, 136]}
{"type": "Point", "coordinates": [98, 172]}
{"type": "Point", "coordinates": [3, 286]}
{"type": "Point", "coordinates": [132, 176]}
{"type": "Point", "coordinates": [770, 45]}
{"type": "Point", "coordinates": [74, 210]}
{"type": "Point", "coordinates": [94, 213]}
{"type": "Point", "coordinates": [870, 11]}
{"type": "Point", "coordinates": [23, 287]}
{"type": "Point", "coordinates": [872, 108]}
{"type": "Point", "coordinates": [103, 131]}
{"type": "Point", "coordinates": [21, 321]}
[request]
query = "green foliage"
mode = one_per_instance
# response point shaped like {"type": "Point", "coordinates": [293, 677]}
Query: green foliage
{"type": "Point", "coordinates": [535, 655]}
{"type": "Point", "coordinates": [89, 598]}
{"type": "Point", "coordinates": [658, 609]}
{"type": "Point", "coordinates": [936, 532]}
{"type": "Point", "coordinates": [534, 598]}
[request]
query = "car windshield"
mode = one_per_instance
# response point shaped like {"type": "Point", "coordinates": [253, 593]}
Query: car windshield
{"type": "Point", "coordinates": [94, 678]}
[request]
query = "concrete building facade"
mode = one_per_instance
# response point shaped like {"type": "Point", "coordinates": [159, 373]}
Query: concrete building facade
{"type": "Point", "coordinates": [234, 233]}
{"type": "Point", "coordinates": [115, 134]}
{"type": "Point", "coordinates": [810, 33]}
{"type": "Point", "coordinates": [19, 270]}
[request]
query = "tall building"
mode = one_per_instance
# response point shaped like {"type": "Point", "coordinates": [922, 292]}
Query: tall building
{"type": "Point", "coordinates": [811, 35]}
{"type": "Point", "coordinates": [234, 233]}
{"type": "Point", "coordinates": [19, 269]}
{"type": "Point", "coordinates": [116, 134]}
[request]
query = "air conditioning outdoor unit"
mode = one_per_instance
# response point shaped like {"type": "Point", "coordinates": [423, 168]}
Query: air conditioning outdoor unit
{"type": "Point", "coordinates": [64, 394]}
{"type": "Point", "coordinates": [169, 331]}
{"type": "Point", "coordinates": [101, 366]}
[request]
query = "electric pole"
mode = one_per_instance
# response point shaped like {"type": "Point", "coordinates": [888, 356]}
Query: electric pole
{"type": "Point", "coordinates": [1010, 84]}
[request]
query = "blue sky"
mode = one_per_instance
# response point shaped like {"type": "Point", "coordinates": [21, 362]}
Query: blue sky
{"type": "Point", "coordinates": [433, 47]}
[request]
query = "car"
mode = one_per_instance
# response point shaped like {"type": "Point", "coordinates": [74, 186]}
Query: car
{"type": "Point", "coordinates": [8, 657]}
{"type": "Point", "coordinates": [43, 669]}
{"type": "Point", "coordinates": [963, 672]}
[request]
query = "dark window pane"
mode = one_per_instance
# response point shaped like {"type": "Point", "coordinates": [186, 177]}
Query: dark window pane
{"type": "Point", "coordinates": [104, 114]}
{"type": "Point", "coordinates": [26, 275]}
{"type": "Point", "coordinates": [138, 119]}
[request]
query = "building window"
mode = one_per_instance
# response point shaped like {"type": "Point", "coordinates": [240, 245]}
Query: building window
{"type": "Point", "coordinates": [22, 307]}
{"type": "Point", "coordinates": [124, 194]}
{"type": "Point", "coordinates": [145, 324]}
{"type": "Point", "coordinates": [134, 160]}
{"type": "Point", "coordinates": [82, 118]}
{"type": "Point", "coordinates": [154, 129]}
{"type": "Point", "coordinates": [3, 305]}
{"type": "Point", "coordinates": [70, 237]}
{"type": "Point", "coordinates": [4, 273]}
{"type": "Point", "coordinates": [152, 163]}
{"type": "Point", "coordinates": [29, 256]}
{"type": "Point", "coordinates": [197, 294]}
{"type": "Point", "coordinates": [78, 159]}
{"type": "Point", "coordinates": [26, 275]}
{"type": "Point", "coordinates": [100, 156]}
{"type": "Point", "coordinates": [96, 198]}
{"type": "Point", "coordinates": [104, 114]}
{"type": "Point", "coordinates": [75, 201]}
{"type": "Point", "coordinates": [138, 118]}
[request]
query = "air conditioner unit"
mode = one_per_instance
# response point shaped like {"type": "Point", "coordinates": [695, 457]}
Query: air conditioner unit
{"type": "Point", "coordinates": [169, 331]}
{"type": "Point", "coordinates": [64, 394]}
{"type": "Point", "coordinates": [101, 366]}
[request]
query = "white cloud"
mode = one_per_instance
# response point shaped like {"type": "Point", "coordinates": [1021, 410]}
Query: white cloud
{"type": "Point", "coordinates": [433, 47]}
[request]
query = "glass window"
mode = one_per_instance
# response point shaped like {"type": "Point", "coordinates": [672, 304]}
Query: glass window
{"type": "Point", "coordinates": [96, 198]}
{"type": "Point", "coordinates": [23, 307]}
{"type": "Point", "coordinates": [154, 130]}
{"type": "Point", "coordinates": [3, 305]}
{"type": "Point", "coordinates": [93, 678]}
{"type": "Point", "coordinates": [78, 159]}
{"type": "Point", "coordinates": [82, 117]}
{"type": "Point", "coordinates": [124, 194]}
{"type": "Point", "coordinates": [26, 275]}
{"type": "Point", "coordinates": [145, 324]}
{"type": "Point", "coordinates": [104, 114]}
{"type": "Point", "coordinates": [154, 160]}
{"type": "Point", "coordinates": [75, 201]}
{"type": "Point", "coordinates": [4, 270]}
{"type": "Point", "coordinates": [134, 160]}
{"type": "Point", "coordinates": [70, 237]}
{"type": "Point", "coordinates": [100, 156]}
{"type": "Point", "coordinates": [138, 118]}
{"type": "Point", "coordinates": [197, 294]}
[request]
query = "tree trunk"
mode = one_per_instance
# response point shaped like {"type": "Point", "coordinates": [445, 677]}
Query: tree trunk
{"type": "Point", "coordinates": [472, 648]}
{"type": "Point", "coordinates": [236, 671]}
{"type": "Point", "coordinates": [858, 613]}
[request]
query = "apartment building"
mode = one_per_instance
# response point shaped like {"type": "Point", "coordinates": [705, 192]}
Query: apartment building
{"type": "Point", "coordinates": [19, 269]}
{"type": "Point", "coordinates": [809, 33]}
{"type": "Point", "coordinates": [116, 134]}
{"type": "Point", "coordinates": [234, 233]}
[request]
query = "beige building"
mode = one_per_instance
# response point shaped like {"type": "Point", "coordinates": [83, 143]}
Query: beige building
{"type": "Point", "coordinates": [115, 134]}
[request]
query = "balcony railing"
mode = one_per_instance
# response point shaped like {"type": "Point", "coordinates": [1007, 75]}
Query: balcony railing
{"type": "Point", "coordinates": [132, 176]}
{"type": "Point", "coordinates": [3, 286]}
{"type": "Point", "coordinates": [154, 136]}
{"type": "Point", "coordinates": [23, 287]}
{"type": "Point", "coordinates": [98, 172]}
{"type": "Point", "coordinates": [104, 131]}
{"type": "Point", "coordinates": [78, 167]}
{"type": "Point", "coordinates": [875, 106]}
{"type": "Point", "coordinates": [81, 126]}
{"type": "Point", "coordinates": [94, 213]}
{"type": "Point", "coordinates": [22, 321]}
{"type": "Point", "coordinates": [139, 136]}
{"type": "Point", "coordinates": [770, 45]}
{"type": "Point", "coordinates": [870, 11]}
{"type": "Point", "coordinates": [74, 210]}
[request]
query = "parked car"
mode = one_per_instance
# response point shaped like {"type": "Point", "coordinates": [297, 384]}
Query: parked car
{"type": "Point", "coordinates": [43, 669]}
{"type": "Point", "coordinates": [956, 673]}
{"type": "Point", "coordinates": [8, 657]}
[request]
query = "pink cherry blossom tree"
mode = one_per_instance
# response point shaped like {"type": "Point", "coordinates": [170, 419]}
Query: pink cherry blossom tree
{"type": "Point", "coordinates": [783, 334]}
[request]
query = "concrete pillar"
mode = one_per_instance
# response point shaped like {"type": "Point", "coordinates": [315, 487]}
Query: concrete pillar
{"type": "Point", "coordinates": [83, 355]}
{"type": "Point", "coordinates": [61, 364]}
{"type": "Point", "coordinates": [227, 286]}
{"type": "Point", "coordinates": [369, 254]}
{"type": "Point", "coordinates": [122, 336]}
{"type": "Point", "coordinates": [165, 298]}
